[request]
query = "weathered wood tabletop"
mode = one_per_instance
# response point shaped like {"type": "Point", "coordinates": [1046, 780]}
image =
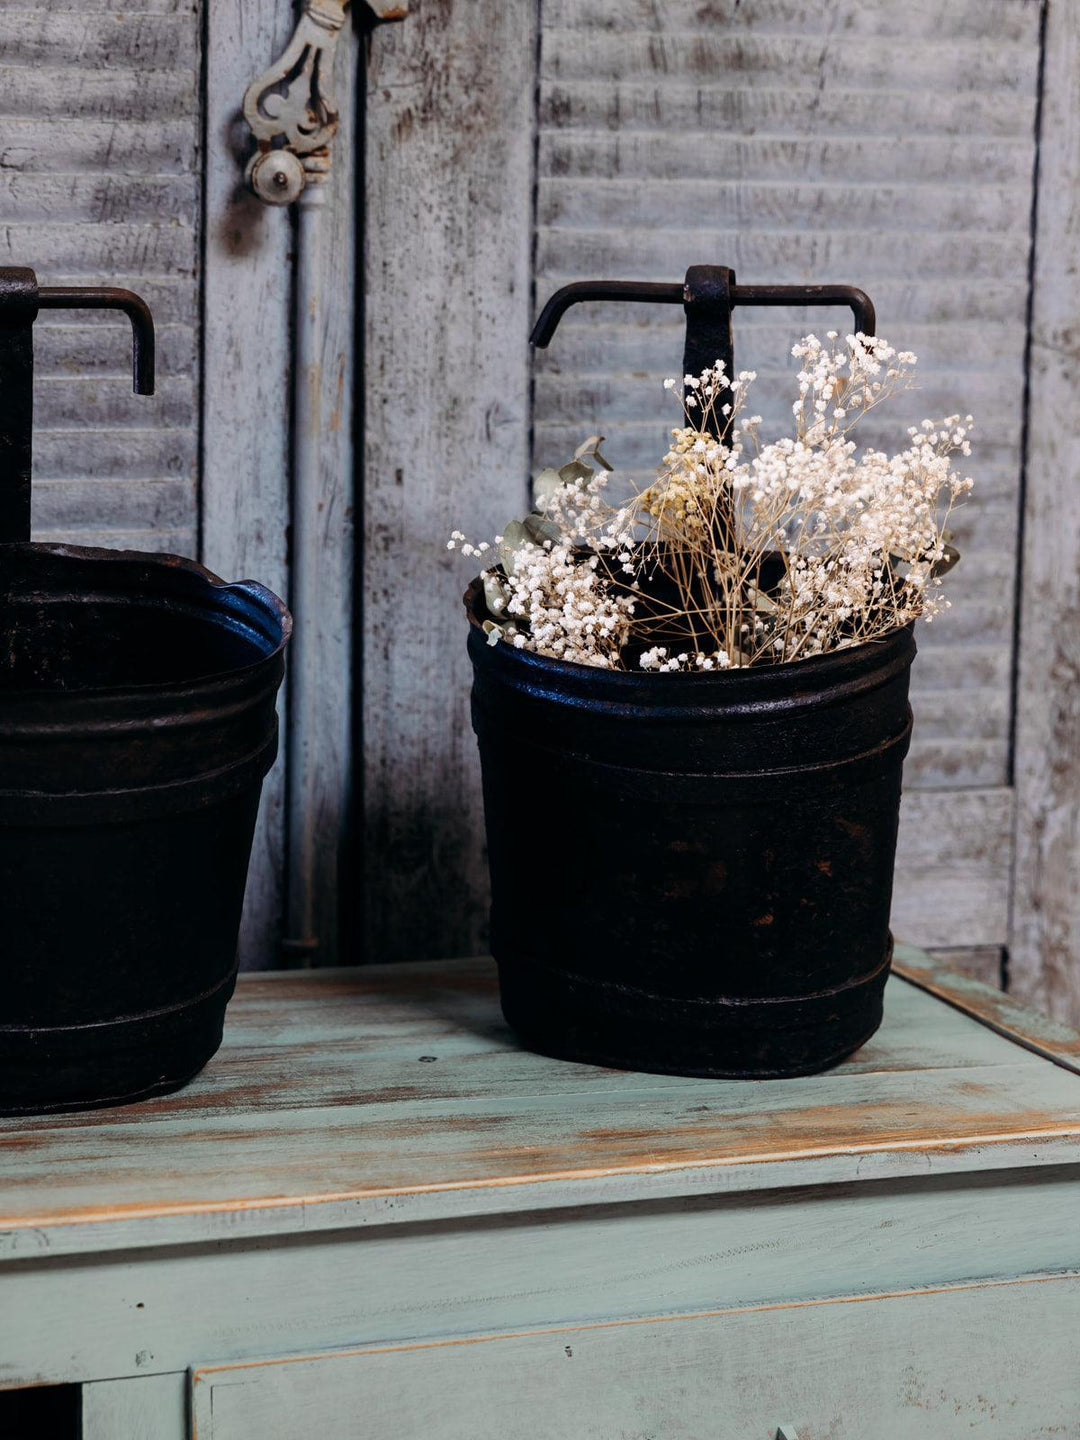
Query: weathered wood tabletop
{"type": "Point", "coordinates": [374, 1204]}
{"type": "Point", "coordinates": [398, 1093]}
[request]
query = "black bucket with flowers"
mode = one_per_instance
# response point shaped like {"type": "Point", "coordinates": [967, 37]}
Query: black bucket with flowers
{"type": "Point", "coordinates": [692, 711]}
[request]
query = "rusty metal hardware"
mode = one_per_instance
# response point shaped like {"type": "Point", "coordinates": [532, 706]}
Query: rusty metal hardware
{"type": "Point", "coordinates": [291, 103]}
{"type": "Point", "coordinates": [290, 107]}
{"type": "Point", "coordinates": [708, 295]}
{"type": "Point", "coordinates": [107, 297]}
{"type": "Point", "coordinates": [20, 300]}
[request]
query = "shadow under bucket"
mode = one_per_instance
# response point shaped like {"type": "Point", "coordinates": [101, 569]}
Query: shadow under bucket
{"type": "Point", "coordinates": [692, 873]}
{"type": "Point", "coordinates": [137, 721]}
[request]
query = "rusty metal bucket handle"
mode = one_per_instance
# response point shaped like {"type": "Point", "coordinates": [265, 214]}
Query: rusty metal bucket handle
{"type": "Point", "coordinates": [708, 295]}
{"type": "Point", "coordinates": [20, 300]}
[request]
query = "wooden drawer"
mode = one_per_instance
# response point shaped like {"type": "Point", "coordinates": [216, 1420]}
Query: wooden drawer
{"type": "Point", "coordinates": [999, 1361]}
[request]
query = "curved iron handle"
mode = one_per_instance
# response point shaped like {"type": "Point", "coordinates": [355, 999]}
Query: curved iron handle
{"type": "Point", "coordinates": [105, 297]}
{"type": "Point", "coordinates": [708, 295]}
{"type": "Point", "coordinates": [20, 300]}
{"type": "Point", "coordinates": [860, 304]}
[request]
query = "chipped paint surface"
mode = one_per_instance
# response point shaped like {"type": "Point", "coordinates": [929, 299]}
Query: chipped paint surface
{"type": "Point", "coordinates": [992, 1007]}
{"type": "Point", "coordinates": [325, 1091]}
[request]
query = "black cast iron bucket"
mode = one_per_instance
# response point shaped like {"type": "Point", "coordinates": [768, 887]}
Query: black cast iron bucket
{"type": "Point", "coordinates": [692, 873]}
{"type": "Point", "coordinates": [137, 720]}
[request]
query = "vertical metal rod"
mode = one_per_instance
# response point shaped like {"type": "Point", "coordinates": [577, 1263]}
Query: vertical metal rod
{"type": "Point", "coordinates": [18, 309]}
{"type": "Point", "coordinates": [707, 301]}
{"type": "Point", "coordinates": [301, 943]}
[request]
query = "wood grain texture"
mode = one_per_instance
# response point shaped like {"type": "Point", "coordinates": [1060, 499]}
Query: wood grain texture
{"type": "Point", "coordinates": [1039, 1033]}
{"type": "Point", "coordinates": [928, 1366]}
{"type": "Point", "coordinates": [331, 796]}
{"type": "Point", "coordinates": [246, 397]}
{"type": "Point", "coordinates": [626, 1255]}
{"type": "Point", "coordinates": [953, 867]}
{"type": "Point", "coordinates": [981, 963]}
{"type": "Point", "coordinates": [152, 1407]}
{"type": "Point", "coordinates": [447, 297]}
{"type": "Point", "coordinates": [1045, 940]}
{"type": "Point", "coordinates": [348, 1089]}
{"type": "Point", "coordinates": [100, 182]}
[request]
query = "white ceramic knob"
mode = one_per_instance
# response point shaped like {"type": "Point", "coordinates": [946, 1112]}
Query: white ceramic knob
{"type": "Point", "coordinates": [276, 176]}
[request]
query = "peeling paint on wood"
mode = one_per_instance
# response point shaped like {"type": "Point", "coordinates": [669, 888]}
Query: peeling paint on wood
{"type": "Point", "coordinates": [447, 300]}
{"type": "Point", "coordinates": [928, 1363]}
{"type": "Point", "coordinates": [321, 1096]}
{"type": "Point", "coordinates": [1044, 947]}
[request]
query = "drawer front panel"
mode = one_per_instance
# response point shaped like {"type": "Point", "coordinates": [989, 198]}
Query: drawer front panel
{"type": "Point", "coordinates": [1001, 1361]}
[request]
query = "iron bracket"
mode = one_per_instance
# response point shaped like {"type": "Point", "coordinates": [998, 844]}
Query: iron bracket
{"type": "Point", "coordinates": [21, 298]}
{"type": "Point", "coordinates": [708, 295]}
{"type": "Point", "coordinates": [290, 107]}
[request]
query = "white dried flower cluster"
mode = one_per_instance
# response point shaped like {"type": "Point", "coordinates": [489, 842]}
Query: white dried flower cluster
{"type": "Point", "coordinates": [560, 605]}
{"type": "Point", "coordinates": [549, 597]}
{"type": "Point", "coordinates": [740, 553]}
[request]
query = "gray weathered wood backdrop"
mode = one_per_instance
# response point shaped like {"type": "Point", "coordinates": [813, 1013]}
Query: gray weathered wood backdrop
{"type": "Point", "coordinates": [501, 148]}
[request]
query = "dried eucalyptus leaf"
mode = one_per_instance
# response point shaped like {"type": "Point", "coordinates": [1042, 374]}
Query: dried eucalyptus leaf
{"type": "Point", "coordinates": [496, 595]}
{"type": "Point", "coordinates": [575, 470]}
{"type": "Point", "coordinates": [948, 559]}
{"type": "Point", "coordinates": [537, 529]}
{"type": "Point", "coordinates": [514, 537]}
{"type": "Point", "coordinates": [544, 486]}
{"type": "Point", "coordinates": [493, 632]}
{"type": "Point", "coordinates": [591, 447]}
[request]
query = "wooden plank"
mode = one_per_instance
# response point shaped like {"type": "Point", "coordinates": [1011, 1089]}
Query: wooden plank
{"type": "Point", "coordinates": [103, 199]}
{"type": "Point", "coordinates": [953, 867]}
{"type": "Point", "coordinates": [1045, 932]}
{"type": "Point", "coordinates": [868, 253]}
{"type": "Point", "coordinates": [715, 1373]}
{"type": "Point", "coordinates": [81, 349]}
{"type": "Point", "coordinates": [157, 147]}
{"type": "Point", "coordinates": [722, 157]}
{"type": "Point", "coordinates": [77, 37]}
{"type": "Point", "coordinates": [114, 454]}
{"type": "Point", "coordinates": [482, 1115]}
{"type": "Point", "coordinates": [961, 64]}
{"type": "Point", "coordinates": [589, 203]}
{"type": "Point", "coordinates": [1005, 20]}
{"type": "Point", "coordinates": [246, 399]}
{"type": "Point", "coordinates": [74, 506]}
{"type": "Point", "coordinates": [105, 402]}
{"type": "Point", "coordinates": [681, 104]}
{"type": "Point", "coordinates": [78, 1317]}
{"type": "Point", "coordinates": [985, 964]}
{"type": "Point", "coordinates": [987, 1004]}
{"type": "Point", "coordinates": [152, 1407]}
{"type": "Point", "coordinates": [91, 250]}
{"type": "Point", "coordinates": [447, 297]}
{"type": "Point", "coordinates": [48, 92]}
{"type": "Point", "coordinates": [330, 798]}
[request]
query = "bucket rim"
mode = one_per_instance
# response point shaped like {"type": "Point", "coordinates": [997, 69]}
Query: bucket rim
{"type": "Point", "coordinates": [272, 608]}
{"type": "Point", "coordinates": [813, 667]}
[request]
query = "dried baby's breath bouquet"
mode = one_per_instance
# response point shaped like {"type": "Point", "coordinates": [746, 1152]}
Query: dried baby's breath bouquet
{"type": "Point", "coordinates": [739, 553]}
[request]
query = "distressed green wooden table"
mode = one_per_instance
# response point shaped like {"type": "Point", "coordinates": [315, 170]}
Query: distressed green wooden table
{"type": "Point", "coordinates": [373, 1216]}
